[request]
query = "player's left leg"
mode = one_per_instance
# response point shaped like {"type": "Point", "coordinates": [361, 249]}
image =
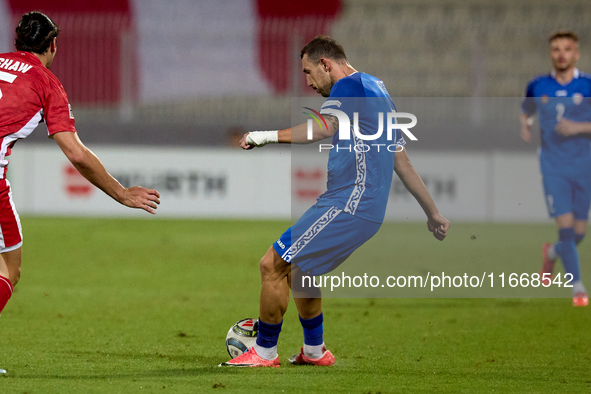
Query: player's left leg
{"type": "Point", "coordinates": [566, 247]}
{"type": "Point", "coordinates": [568, 200]}
{"type": "Point", "coordinates": [11, 240]}
{"type": "Point", "coordinates": [10, 268]}
{"type": "Point", "coordinates": [309, 304]}
{"type": "Point", "coordinates": [558, 196]}
{"type": "Point", "coordinates": [582, 204]}
{"type": "Point", "coordinates": [11, 265]}
{"type": "Point", "coordinates": [581, 297]}
{"type": "Point", "coordinates": [320, 249]}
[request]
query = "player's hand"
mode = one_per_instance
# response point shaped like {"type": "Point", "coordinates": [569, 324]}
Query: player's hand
{"type": "Point", "coordinates": [439, 226]}
{"type": "Point", "coordinates": [567, 127]}
{"type": "Point", "coordinates": [244, 144]}
{"type": "Point", "coordinates": [259, 138]}
{"type": "Point", "coordinates": [526, 134]}
{"type": "Point", "coordinates": [141, 198]}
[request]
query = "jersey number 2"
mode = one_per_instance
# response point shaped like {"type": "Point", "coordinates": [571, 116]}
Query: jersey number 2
{"type": "Point", "coordinates": [6, 77]}
{"type": "Point", "coordinates": [559, 111]}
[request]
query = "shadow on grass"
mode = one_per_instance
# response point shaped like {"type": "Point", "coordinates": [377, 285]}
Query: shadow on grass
{"type": "Point", "coordinates": [192, 365]}
{"type": "Point", "coordinates": [162, 373]}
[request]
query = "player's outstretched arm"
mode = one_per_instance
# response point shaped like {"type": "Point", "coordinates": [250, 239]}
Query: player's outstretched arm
{"type": "Point", "coordinates": [294, 135]}
{"type": "Point", "coordinates": [569, 128]}
{"type": "Point", "coordinates": [526, 122]}
{"type": "Point", "coordinates": [92, 169]}
{"type": "Point", "coordinates": [436, 223]}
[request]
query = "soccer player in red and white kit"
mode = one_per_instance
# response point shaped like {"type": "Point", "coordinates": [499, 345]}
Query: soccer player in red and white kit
{"type": "Point", "coordinates": [30, 94]}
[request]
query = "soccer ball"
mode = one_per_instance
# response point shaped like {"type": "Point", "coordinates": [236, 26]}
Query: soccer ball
{"type": "Point", "coordinates": [242, 335]}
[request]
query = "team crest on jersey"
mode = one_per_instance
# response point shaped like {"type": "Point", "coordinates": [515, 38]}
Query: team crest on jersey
{"type": "Point", "coordinates": [545, 99]}
{"type": "Point", "coordinates": [577, 98]}
{"type": "Point", "coordinates": [71, 113]}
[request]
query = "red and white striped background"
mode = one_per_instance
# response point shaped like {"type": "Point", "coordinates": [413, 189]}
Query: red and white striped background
{"type": "Point", "coordinates": [153, 51]}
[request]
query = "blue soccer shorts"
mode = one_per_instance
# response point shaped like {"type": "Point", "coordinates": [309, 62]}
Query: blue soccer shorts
{"type": "Point", "coordinates": [566, 194]}
{"type": "Point", "coordinates": [323, 238]}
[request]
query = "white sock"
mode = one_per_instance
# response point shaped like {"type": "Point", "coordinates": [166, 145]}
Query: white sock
{"type": "Point", "coordinates": [268, 353]}
{"type": "Point", "coordinates": [313, 351]}
{"type": "Point", "coordinates": [552, 253]}
{"type": "Point", "coordinates": [578, 287]}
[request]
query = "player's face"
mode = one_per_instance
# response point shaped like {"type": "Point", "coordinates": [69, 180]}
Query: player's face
{"type": "Point", "coordinates": [317, 77]}
{"type": "Point", "coordinates": [564, 53]}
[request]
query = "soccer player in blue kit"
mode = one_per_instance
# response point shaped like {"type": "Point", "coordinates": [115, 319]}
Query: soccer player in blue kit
{"type": "Point", "coordinates": [348, 214]}
{"type": "Point", "coordinates": [561, 99]}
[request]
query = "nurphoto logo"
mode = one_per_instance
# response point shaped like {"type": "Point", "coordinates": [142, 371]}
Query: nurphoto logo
{"type": "Point", "coordinates": [345, 127]}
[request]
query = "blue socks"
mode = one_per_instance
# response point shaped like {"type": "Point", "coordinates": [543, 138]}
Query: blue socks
{"type": "Point", "coordinates": [579, 238]}
{"type": "Point", "coordinates": [313, 330]}
{"type": "Point", "coordinates": [266, 344]}
{"type": "Point", "coordinates": [566, 248]}
{"type": "Point", "coordinates": [268, 334]}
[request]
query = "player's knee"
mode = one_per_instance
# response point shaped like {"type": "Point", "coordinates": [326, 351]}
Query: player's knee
{"type": "Point", "coordinates": [272, 267]}
{"type": "Point", "coordinates": [15, 275]}
{"type": "Point", "coordinates": [266, 265]}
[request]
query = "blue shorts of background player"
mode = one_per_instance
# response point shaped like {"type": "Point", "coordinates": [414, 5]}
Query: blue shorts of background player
{"type": "Point", "coordinates": [566, 194]}
{"type": "Point", "coordinates": [323, 238]}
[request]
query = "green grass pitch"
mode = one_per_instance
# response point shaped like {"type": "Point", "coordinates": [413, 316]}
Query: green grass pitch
{"type": "Point", "coordinates": [125, 306]}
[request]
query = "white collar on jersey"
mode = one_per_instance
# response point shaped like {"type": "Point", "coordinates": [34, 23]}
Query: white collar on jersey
{"type": "Point", "coordinates": [575, 74]}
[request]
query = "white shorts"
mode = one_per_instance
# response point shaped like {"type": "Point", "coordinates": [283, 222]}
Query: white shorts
{"type": "Point", "coordinates": [11, 235]}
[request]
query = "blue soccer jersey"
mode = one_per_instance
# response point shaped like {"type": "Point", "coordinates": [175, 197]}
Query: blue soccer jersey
{"type": "Point", "coordinates": [360, 177]}
{"type": "Point", "coordinates": [560, 155]}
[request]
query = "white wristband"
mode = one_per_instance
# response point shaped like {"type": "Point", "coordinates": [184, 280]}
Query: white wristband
{"type": "Point", "coordinates": [262, 138]}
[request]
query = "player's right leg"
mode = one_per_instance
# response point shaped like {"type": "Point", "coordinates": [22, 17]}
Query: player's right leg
{"type": "Point", "coordinates": [580, 230]}
{"type": "Point", "coordinates": [273, 304]}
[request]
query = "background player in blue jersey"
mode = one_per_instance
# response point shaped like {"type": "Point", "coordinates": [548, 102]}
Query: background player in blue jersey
{"type": "Point", "coordinates": [561, 99]}
{"type": "Point", "coordinates": [346, 215]}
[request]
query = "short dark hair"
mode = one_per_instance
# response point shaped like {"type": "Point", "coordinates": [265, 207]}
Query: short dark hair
{"type": "Point", "coordinates": [563, 34]}
{"type": "Point", "coordinates": [323, 46]}
{"type": "Point", "coordinates": [35, 32]}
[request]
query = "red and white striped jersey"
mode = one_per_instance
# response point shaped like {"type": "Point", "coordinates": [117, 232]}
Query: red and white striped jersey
{"type": "Point", "coordinates": [29, 94]}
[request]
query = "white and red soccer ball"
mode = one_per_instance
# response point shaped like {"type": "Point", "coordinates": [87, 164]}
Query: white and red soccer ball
{"type": "Point", "coordinates": [242, 335]}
